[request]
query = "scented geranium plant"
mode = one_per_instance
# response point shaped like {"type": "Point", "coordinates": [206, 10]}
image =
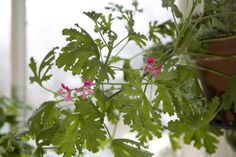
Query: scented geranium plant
{"type": "Point", "coordinates": [168, 67]}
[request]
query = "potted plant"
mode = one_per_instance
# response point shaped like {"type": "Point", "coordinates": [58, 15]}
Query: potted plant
{"type": "Point", "coordinates": [170, 67]}
{"type": "Point", "coordinates": [13, 142]}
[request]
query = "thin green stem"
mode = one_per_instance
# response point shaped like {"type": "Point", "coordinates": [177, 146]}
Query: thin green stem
{"type": "Point", "coordinates": [99, 31]}
{"type": "Point", "coordinates": [137, 54]}
{"type": "Point", "coordinates": [145, 88]}
{"type": "Point", "coordinates": [220, 38]}
{"type": "Point", "coordinates": [211, 71]}
{"type": "Point", "coordinates": [210, 16]}
{"type": "Point", "coordinates": [184, 28]}
{"type": "Point", "coordinates": [115, 127]}
{"type": "Point", "coordinates": [103, 39]}
{"type": "Point", "coordinates": [108, 56]}
{"type": "Point", "coordinates": [108, 132]}
{"type": "Point", "coordinates": [211, 56]}
{"type": "Point", "coordinates": [115, 83]}
{"type": "Point", "coordinates": [122, 69]}
{"type": "Point", "coordinates": [110, 50]}
{"type": "Point", "coordinates": [124, 83]}
{"type": "Point", "coordinates": [116, 93]}
{"type": "Point", "coordinates": [48, 90]}
{"type": "Point", "coordinates": [121, 48]}
{"type": "Point", "coordinates": [175, 22]}
{"type": "Point", "coordinates": [120, 42]}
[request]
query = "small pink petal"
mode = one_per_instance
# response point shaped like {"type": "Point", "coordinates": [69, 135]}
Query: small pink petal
{"type": "Point", "coordinates": [89, 91]}
{"type": "Point", "coordinates": [79, 90]}
{"type": "Point", "coordinates": [84, 95]}
{"type": "Point", "coordinates": [151, 61]}
{"type": "Point", "coordinates": [61, 92]}
{"type": "Point", "coordinates": [65, 87]}
{"type": "Point", "coordinates": [68, 97]}
{"type": "Point", "coordinates": [148, 68]}
{"type": "Point", "coordinates": [157, 71]}
{"type": "Point", "coordinates": [88, 83]}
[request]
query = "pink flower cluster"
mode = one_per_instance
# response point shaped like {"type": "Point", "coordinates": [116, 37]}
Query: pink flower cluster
{"type": "Point", "coordinates": [83, 91]}
{"type": "Point", "coordinates": [65, 91]}
{"type": "Point", "coordinates": [149, 67]}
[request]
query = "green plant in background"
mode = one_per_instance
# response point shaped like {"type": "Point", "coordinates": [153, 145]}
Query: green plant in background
{"type": "Point", "coordinates": [169, 67]}
{"type": "Point", "coordinates": [13, 143]}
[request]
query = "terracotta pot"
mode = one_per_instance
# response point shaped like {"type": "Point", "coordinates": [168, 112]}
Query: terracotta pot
{"type": "Point", "coordinates": [215, 85]}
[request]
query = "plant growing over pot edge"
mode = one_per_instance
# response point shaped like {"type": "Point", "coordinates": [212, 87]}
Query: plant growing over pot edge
{"type": "Point", "coordinates": [170, 67]}
{"type": "Point", "coordinates": [13, 142]}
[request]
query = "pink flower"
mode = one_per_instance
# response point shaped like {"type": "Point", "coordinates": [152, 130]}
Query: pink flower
{"type": "Point", "coordinates": [148, 68]}
{"type": "Point", "coordinates": [65, 92]}
{"type": "Point", "coordinates": [88, 83]}
{"type": "Point", "coordinates": [61, 91]}
{"type": "Point", "coordinates": [150, 61]}
{"type": "Point", "coordinates": [68, 97]}
{"type": "Point", "coordinates": [65, 87]}
{"type": "Point", "coordinates": [88, 91]}
{"type": "Point", "coordinates": [78, 90]}
{"type": "Point", "coordinates": [85, 90]}
{"type": "Point", "coordinates": [84, 96]}
{"type": "Point", "coordinates": [157, 71]}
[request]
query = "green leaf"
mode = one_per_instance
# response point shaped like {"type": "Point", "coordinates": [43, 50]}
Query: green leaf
{"type": "Point", "coordinates": [126, 67]}
{"type": "Point", "coordinates": [229, 98]}
{"type": "Point", "coordinates": [81, 56]}
{"type": "Point", "coordinates": [175, 141]}
{"type": "Point", "coordinates": [103, 25]}
{"type": "Point", "coordinates": [211, 111]}
{"type": "Point", "coordinates": [164, 97]}
{"type": "Point", "coordinates": [93, 15]}
{"type": "Point", "coordinates": [217, 24]}
{"type": "Point", "coordinates": [206, 136]}
{"type": "Point", "coordinates": [153, 30]}
{"type": "Point", "coordinates": [174, 8]}
{"type": "Point", "coordinates": [128, 148]}
{"type": "Point", "coordinates": [167, 3]}
{"type": "Point", "coordinates": [115, 59]}
{"type": "Point", "coordinates": [138, 38]}
{"type": "Point", "coordinates": [66, 136]}
{"type": "Point", "coordinates": [139, 113]}
{"type": "Point", "coordinates": [41, 75]}
{"type": "Point", "coordinates": [11, 145]}
{"type": "Point", "coordinates": [44, 117]}
{"type": "Point", "coordinates": [91, 129]}
{"type": "Point", "coordinates": [195, 128]}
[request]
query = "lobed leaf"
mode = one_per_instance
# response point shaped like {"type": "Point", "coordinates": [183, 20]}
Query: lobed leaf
{"type": "Point", "coordinates": [81, 56]}
{"type": "Point", "coordinates": [40, 74]}
{"type": "Point", "coordinates": [128, 148]}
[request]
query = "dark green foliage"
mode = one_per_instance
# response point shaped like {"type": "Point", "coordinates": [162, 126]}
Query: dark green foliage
{"type": "Point", "coordinates": [229, 98]}
{"type": "Point", "coordinates": [44, 117]}
{"type": "Point", "coordinates": [8, 111]}
{"type": "Point", "coordinates": [11, 145]}
{"type": "Point", "coordinates": [179, 93]}
{"type": "Point", "coordinates": [196, 128]}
